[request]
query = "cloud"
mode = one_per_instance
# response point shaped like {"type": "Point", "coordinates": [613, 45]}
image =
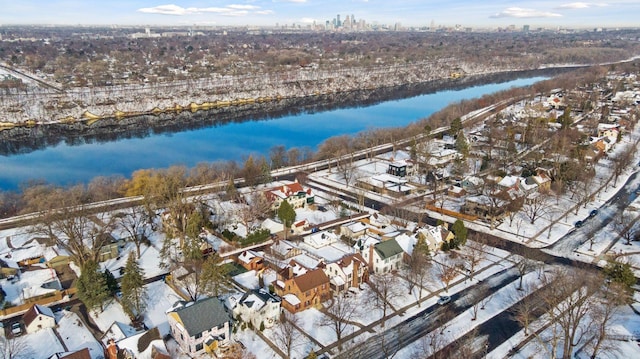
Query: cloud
{"type": "Point", "coordinates": [519, 12]}
{"type": "Point", "coordinates": [580, 5]}
{"type": "Point", "coordinates": [296, 1]}
{"type": "Point", "coordinates": [229, 10]}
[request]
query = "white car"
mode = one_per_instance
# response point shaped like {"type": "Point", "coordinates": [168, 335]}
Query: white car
{"type": "Point", "coordinates": [444, 300]}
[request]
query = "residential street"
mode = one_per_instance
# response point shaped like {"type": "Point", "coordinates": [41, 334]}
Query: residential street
{"type": "Point", "coordinates": [417, 326]}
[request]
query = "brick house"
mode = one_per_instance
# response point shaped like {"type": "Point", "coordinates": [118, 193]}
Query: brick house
{"type": "Point", "coordinates": [250, 260]}
{"type": "Point", "coordinates": [302, 291]}
{"type": "Point", "coordinates": [350, 271]}
{"type": "Point", "coordinates": [294, 193]}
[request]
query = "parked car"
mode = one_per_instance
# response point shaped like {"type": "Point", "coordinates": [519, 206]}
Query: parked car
{"type": "Point", "coordinates": [579, 224]}
{"type": "Point", "coordinates": [444, 300]}
{"type": "Point", "coordinates": [16, 329]}
{"type": "Point", "coordinates": [593, 213]}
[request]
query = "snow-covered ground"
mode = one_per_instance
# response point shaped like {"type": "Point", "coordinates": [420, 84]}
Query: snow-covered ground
{"type": "Point", "coordinates": [76, 336]}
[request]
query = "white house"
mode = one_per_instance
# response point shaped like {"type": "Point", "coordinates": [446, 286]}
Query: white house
{"type": "Point", "coordinates": [258, 307]}
{"type": "Point", "coordinates": [384, 257]}
{"type": "Point", "coordinates": [38, 317]}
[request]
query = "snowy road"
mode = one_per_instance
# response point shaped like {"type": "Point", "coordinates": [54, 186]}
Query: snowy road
{"type": "Point", "coordinates": [391, 340]}
{"type": "Point", "coordinates": [566, 246]}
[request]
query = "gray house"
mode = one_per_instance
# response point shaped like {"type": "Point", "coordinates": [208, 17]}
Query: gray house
{"type": "Point", "coordinates": [200, 327]}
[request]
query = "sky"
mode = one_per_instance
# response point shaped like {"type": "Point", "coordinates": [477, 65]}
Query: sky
{"type": "Point", "coordinates": [468, 13]}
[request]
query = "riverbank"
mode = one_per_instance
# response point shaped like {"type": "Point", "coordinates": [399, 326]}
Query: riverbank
{"type": "Point", "coordinates": [28, 138]}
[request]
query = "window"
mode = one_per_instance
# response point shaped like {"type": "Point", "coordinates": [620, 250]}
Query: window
{"type": "Point", "coordinates": [199, 347]}
{"type": "Point", "coordinates": [198, 336]}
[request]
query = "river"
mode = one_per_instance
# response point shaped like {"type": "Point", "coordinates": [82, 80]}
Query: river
{"type": "Point", "coordinates": [65, 163]}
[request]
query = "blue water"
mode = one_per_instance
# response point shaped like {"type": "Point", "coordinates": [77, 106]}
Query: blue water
{"type": "Point", "coordinates": [65, 164]}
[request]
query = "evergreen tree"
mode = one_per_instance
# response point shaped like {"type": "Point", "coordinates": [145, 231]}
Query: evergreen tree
{"type": "Point", "coordinates": [421, 247]}
{"type": "Point", "coordinates": [92, 287]}
{"type": "Point", "coordinates": [455, 127]}
{"type": "Point", "coordinates": [462, 146]}
{"type": "Point", "coordinates": [286, 213]}
{"type": "Point", "coordinates": [134, 293]}
{"type": "Point", "coordinates": [111, 282]}
{"type": "Point", "coordinates": [460, 232]}
{"type": "Point", "coordinates": [620, 273]}
{"type": "Point", "coordinates": [565, 119]}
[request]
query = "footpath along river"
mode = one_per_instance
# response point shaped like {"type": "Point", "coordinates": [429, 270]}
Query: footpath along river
{"type": "Point", "coordinates": [65, 163]}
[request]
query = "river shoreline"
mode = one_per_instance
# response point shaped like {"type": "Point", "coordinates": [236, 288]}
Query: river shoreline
{"type": "Point", "coordinates": [25, 139]}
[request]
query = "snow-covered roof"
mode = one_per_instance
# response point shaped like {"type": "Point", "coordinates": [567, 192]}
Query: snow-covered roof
{"type": "Point", "coordinates": [356, 227]}
{"type": "Point", "coordinates": [247, 256]}
{"type": "Point", "coordinates": [118, 331]}
{"type": "Point", "coordinates": [337, 280]}
{"type": "Point", "coordinates": [291, 299]}
{"type": "Point", "coordinates": [406, 242]}
{"type": "Point", "coordinates": [272, 226]}
{"type": "Point", "coordinates": [508, 181]}
{"type": "Point", "coordinates": [321, 239]}
{"type": "Point", "coordinates": [144, 345]}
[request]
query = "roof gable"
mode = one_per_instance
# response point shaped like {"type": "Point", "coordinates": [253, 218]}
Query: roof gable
{"type": "Point", "coordinates": [311, 279]}
{"type": "Point", "coordinates": [388, 249]}
{"type": "Point", "coordinates": [202, 315]}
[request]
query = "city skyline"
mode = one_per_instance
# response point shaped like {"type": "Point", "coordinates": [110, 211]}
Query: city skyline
{"type": "Point", "coordinates": [497, 13]}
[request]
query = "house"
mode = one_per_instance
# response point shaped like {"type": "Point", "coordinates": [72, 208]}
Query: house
{"type": "Point", "coordinates": [543, 181]}
{"type": "Point", "coordinates": [284, 250]}
{"type": "Point", "coordinates": [145, 345]}
{"type": "Point", "coordinates": [349, 271]}
{"type": "Point", "coordinates": [299, 226]}
{"type": "Point", "coordinates": [434, 236]}
{"type": "Point", "coordinates": [110, 250]}
{"type": "Point", "coordinates": [294, 193]}
{"type": "Point", "coordinates": [117, 331]}
{"type": "Point", "coordinates": [456, 192]}
{"type": "Point", "coordinates": [482, 206]}
{"type": "Point", "coordinates": [353, 229]}
{"type": "Point", "coordinates": [299, 292]}
{"type": "Point", "coordinates": [321, 239]}
{"type": "Point", "coordinates": [386, 184]}
{"type": "Point", "coordinates": [384, 256]}
{"type": "Point", "coordinates": [56, 257]}
{"type": "Point", "coordinates": [250, 260]}
{"type": "Point", "coordinates": [397, 169]}
{"type": "Point", "coordinates": [38, 317]}
{"type": "Point", "coordinates": [608, 130]}
{"type": "Point", "coordinates": [472, 184]}
{"type": "Point", "coordinates": [258, 307]}
{"type": "Point", "coordinates": [200, 327]}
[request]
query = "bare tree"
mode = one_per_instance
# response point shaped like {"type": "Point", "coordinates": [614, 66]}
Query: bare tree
{"type": "Point", "coordinates": [137, 224]}
{"type": "Point", "coordinates": [476, 300]}
{"type": "Point", "coordinates": [523, 311]}
{"type": "Point", "coordinates": [446, 271]}
{"type": "Point", "coordinates": [524, 266]}
{"type": "Point", "coordinates": [66, 218]}
{"type": "Point", "coordinates": [568, 302]}
{"type": "Point", "coordinates": [347, 169]}
{"type": "Point", "coordinates": [286, 334]}
{"type": "Point", "coordinates": [474, 253]}
{"type": "Point", "coordinates": [607, 306]}
{"type": "Point", "coordinates": [338, 315]}
{"type": "Point", "coordinates": [14, 348]}
{"type": "Point", "coordinates": [535, 205]}
{"type": "Point", "coordinates": [418, 271]}
{"type": "Point", "coordinates": [622, 160]}
{"type": "Point", "coordinates": [626, 227]}
{"type": "Point", "coordinates": [384, 289]}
